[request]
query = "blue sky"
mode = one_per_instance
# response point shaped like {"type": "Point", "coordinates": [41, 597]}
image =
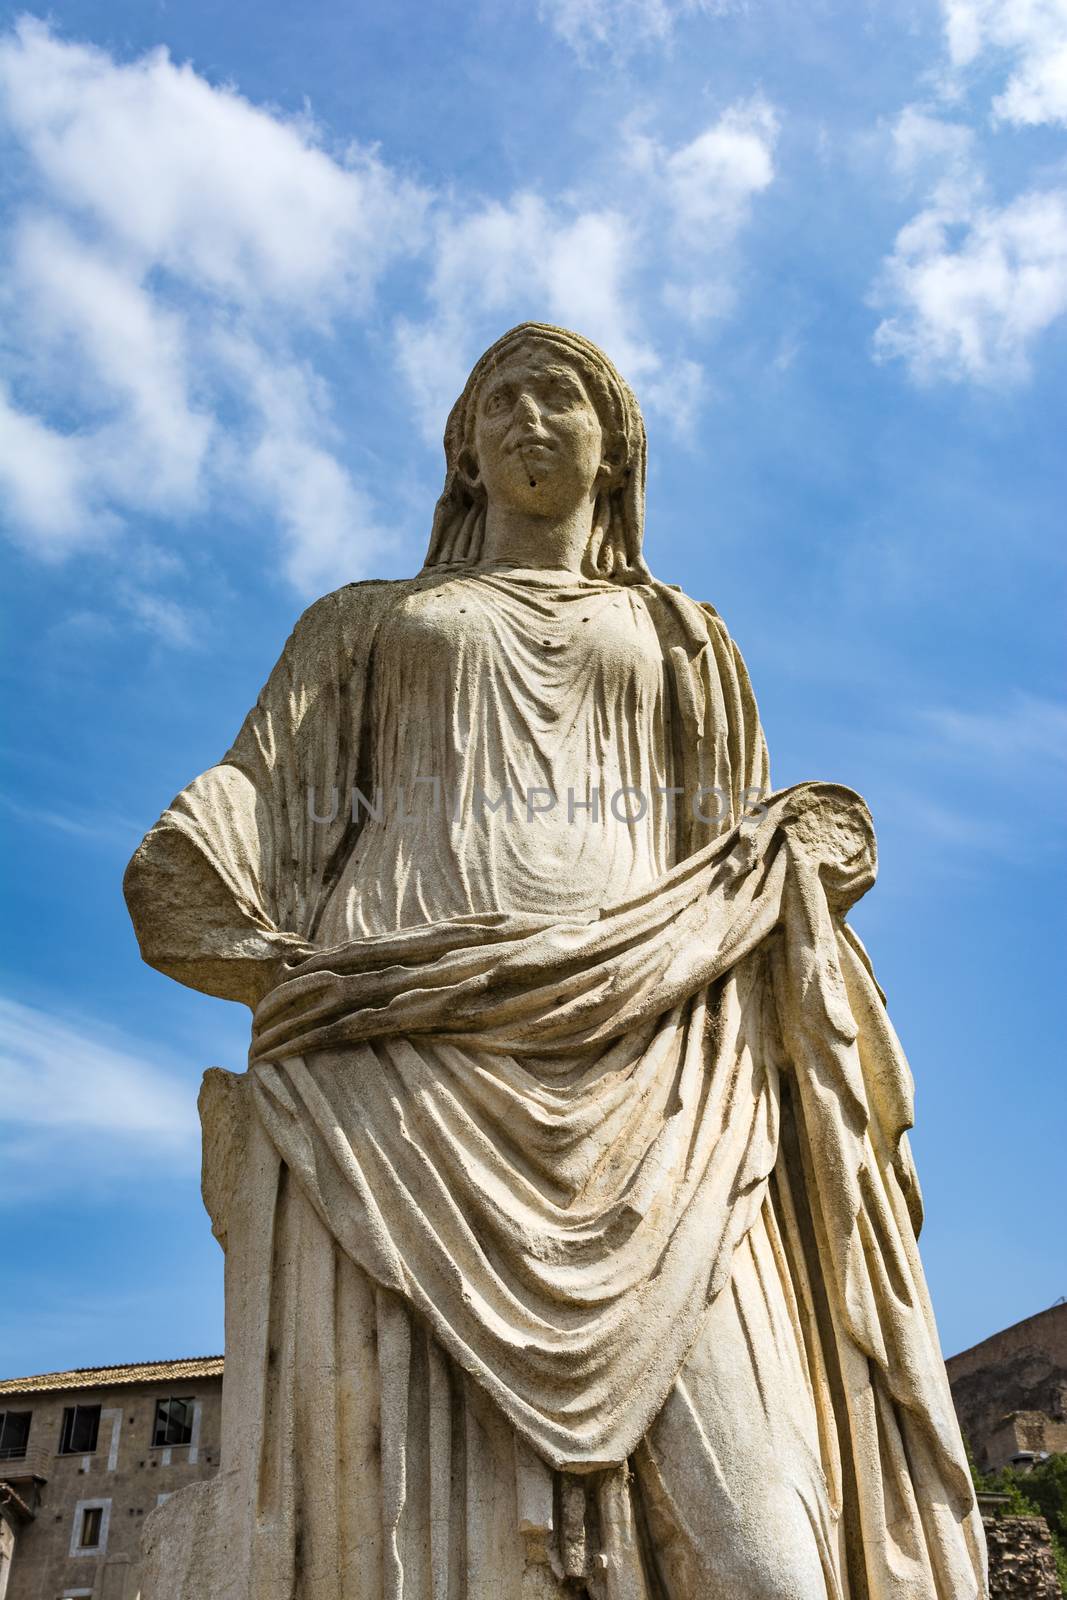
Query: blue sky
{"type": "Point", "coordinates": [249, 254]}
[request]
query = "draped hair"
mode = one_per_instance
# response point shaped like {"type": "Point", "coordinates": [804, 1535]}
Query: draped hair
{"type": "Point", "coordinates": [614, 549]}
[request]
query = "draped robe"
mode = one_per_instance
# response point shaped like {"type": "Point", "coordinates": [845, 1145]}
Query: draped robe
{"type": "Point", "coordinates": [569, 1214]}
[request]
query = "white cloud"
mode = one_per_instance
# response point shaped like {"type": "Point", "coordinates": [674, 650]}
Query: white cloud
{"type": "Point", "coordinates": [677, 393]}
{"type": "Point", "coordinates": [164, 214]}
{"type": "Point", "coordinates": [193, 178]}
{"type": "Point", "coordinates": [621, 26]}
{"type": "Point", "coordinates": [81, 1102]}
{"type": "Point", "coordinates": [126, 358]}
{"type": "Point", "coordinates": [1032, 34]}
{"type": "Point", "coordinates": [176, 246]}
{"type": "Point", "coordinates": [509, 262]}
{"type": "Point", "coordinates": [973, 281]}
{"type": "Point", "coordinates": [929, 150]}
{"type": "Point", "coordinates": [712, 180]}
{"type": "Point", "coordinates": [288, 466]}
{"type": "Point", "coordinates": [707, 188]}
{"type": "Point", "coordinates": [590, 267]}
{"type": "Point", "coordinates": [323, 513]}
{"type": "Point", "coordinates": [45, 483]}
{"type": "Point", "coordinates": [973, 309]}
{"type": "Point", "coordinates": [970, 285]}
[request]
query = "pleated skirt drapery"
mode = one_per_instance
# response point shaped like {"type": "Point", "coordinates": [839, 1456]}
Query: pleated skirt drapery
{"type": "Point", "coordinates": [384, 1473]}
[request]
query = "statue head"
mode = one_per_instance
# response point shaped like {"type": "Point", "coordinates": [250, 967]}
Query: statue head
{"type": "Point", "coordinates": [598, 423]}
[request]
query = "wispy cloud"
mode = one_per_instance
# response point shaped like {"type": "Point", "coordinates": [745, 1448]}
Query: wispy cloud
{"type": "Point", "coordinates": [622, 26]}
{"type": "Point", "coordinates": [174, 240]}
{"type": "Point", "coordinates": [970, 287]}
{"type": "Point", "coordinates": [1026, 734]}
{"type": "Point", "coordinates": [83, 1103]}
{"type": "Point", "coordinates": [706, 189]}
{"type": "Point", "coordinates": [598, 268]}
{"type": "Point", "coordinates": [963, 783]}
{"type": "Point", "coordinates": [99, 826]}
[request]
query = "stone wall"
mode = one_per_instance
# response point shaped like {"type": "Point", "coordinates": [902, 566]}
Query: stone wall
{"type": "Point", "coordinates": [1021, 1562]}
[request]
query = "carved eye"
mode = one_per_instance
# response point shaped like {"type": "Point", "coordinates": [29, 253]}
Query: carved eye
{"type": "Point", "coordinates": [564, 394]}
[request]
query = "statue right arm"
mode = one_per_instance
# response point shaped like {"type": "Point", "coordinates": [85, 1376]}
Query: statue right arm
{"type": "Point", "coordinates": [230, 881]}
{"type": "Point", "coordinates": [199, 911]}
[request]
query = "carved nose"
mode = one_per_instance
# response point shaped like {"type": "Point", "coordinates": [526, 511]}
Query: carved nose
{"type": "Point", "coordinates": [527, 410]}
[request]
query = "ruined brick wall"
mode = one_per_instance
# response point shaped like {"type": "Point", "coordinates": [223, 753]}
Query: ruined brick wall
{"type": "Point", "coordinates": [1021, 1563]}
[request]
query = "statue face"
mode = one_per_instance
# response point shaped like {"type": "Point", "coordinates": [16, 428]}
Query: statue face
{"type": "Point", "coordinates": [538, 441]}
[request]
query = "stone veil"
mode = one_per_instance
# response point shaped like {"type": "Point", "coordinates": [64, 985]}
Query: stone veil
{"type": "Point", "coordinates": [569, 1216]}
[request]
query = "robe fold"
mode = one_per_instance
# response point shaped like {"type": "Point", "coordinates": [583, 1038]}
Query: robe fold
{"type": "Point", "coordinates": [537, 1210]}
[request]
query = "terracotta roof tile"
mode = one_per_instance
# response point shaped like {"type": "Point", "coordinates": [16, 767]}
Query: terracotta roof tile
{"type": "Point", "coordinates": [111, 1377]}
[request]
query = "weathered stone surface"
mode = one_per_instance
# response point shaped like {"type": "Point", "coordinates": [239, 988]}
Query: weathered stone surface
{"type": "Point", "coordinates": [568, 1208]}
{"type": "Point", "coordinates": [1021, 1561]}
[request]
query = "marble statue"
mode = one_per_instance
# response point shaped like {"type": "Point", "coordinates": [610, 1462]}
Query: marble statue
{"type": "Point", "coordinates": [569, 1216]}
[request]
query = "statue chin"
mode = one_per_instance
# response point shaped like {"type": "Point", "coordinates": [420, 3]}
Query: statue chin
{"type": "Point", "coordinates": [543, 489]}
{"type": "Point", "coordinates": [569, 1216]}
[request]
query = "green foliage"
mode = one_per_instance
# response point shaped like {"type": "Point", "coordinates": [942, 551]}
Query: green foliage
{"type": "Point", "coordinates": [1046, 1486]}
{"type": "Point", "coordinates": [1041, 1492]}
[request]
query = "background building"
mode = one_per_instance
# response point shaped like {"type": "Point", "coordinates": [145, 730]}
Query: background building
{"type": "Point", "coordinates": [84, 1457]}
{"type": "Point", "coordinates": [1010, 1391]}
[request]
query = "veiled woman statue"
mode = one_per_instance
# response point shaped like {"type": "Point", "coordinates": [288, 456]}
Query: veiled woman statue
{"type": "Point", "coordinates": [568, 1209]}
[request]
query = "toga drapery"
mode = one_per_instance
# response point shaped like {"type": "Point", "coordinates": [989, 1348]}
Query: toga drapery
{"type": "Point", "coordinates": [569, 1215]}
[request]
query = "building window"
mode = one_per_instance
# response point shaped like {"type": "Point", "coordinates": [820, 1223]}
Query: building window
{"type": "Point", "coordinates": [81, 1424]}
{"type": "Point", "coordinates": [14, 1432]}
{"type": "Point", "coordinates": [174, 1422]}
{"type": "Point", "coordinates": [88, 1534]}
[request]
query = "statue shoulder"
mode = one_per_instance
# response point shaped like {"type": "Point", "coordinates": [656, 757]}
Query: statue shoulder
{"type": "Point", "coordinates": [716, 626]}
{"type": "Point", "coordinates": [365, 591]}
{"type": "Point", "coordinates": [712, 681]}
{"type": "Point", "coordinates": [718, 630]}
{"type": "Point", "coordinates": [699, 618]}
{"type": "Point", "coordinates": [328, 652]}
{"type": "Point", "coordinates": [352, 609]}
